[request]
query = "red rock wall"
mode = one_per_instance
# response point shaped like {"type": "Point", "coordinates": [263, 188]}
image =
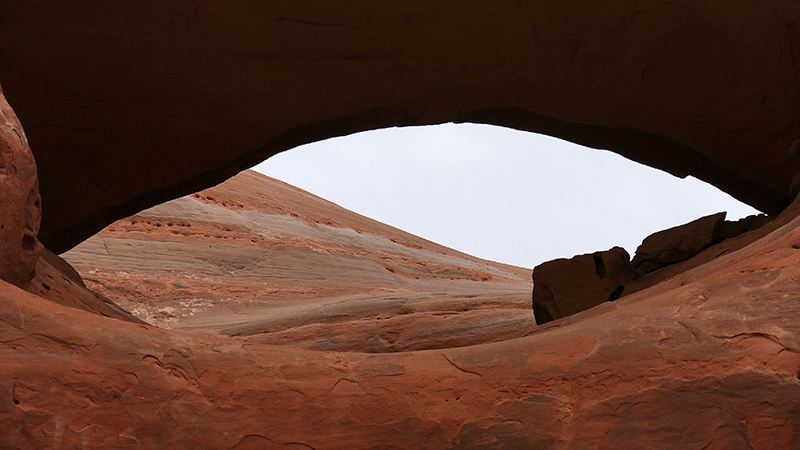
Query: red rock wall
{"type": "Point", "coordinates": [128, 104]}
{"type": "Point", "coordinates": [134, 104]}
{"type": "Point", "coordinates": [709, 359]}
{"type": "Point", "coordinates": [257, 258]}
{"type": "Point", "coordinates": [20, 204]}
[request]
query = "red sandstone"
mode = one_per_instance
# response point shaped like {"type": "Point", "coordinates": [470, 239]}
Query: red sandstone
{"type": "Point", "coordinates": [259, 258]}
{"type": "Point", "coordinates": [132, 105]}
{"type": "Point", "coordinates": [126, 106]}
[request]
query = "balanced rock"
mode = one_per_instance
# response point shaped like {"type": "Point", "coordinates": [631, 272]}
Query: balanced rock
{"type": "Point", "coordinates": [20, 201]}
{"type": "Point", "coordinates": [563, 287]}
{"type": "Point", "coordinates": [677, 243]}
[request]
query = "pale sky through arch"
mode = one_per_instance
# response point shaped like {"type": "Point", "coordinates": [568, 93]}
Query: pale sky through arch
{"type": "Point", "coordinates": [496, 193]}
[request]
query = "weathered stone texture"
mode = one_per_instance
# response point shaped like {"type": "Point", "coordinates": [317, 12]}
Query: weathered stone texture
{"type": "Point", "coordinates": [20, 204]}
{"type": "Point", "coordinates": [563, 287]}
{"type": "Point", "coordinates": [257, 258]}
{"type": "Point", "coordinates": [708, 359]}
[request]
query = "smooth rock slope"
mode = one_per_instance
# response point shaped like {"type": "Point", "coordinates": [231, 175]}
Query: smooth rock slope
{"type": "Point", "coordinates": [708, 359]}
{"type": "Point", "coordinates": [257, 257]}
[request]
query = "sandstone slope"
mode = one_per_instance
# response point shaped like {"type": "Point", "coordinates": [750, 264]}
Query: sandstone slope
{"type": "Point", "coordinates": [260, 258]}
{"type": "Point", "coordinates": [709, 359]}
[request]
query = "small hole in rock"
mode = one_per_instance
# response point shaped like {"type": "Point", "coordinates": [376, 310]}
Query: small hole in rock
{"type": "Point", "coordinates": [599, 265]}
{"type": "Point", "coordinates": [616, 294]}
{"type": "Point", "coordinates": [16, 402]}
{"type": "Point", "coordinates": [46, 286]}
{"type": "Point", "coordinates": [28, 243]}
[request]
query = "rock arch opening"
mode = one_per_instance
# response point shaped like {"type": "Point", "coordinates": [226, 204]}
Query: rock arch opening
{"type": "Point", "coordinates": [115, 96]}
{"type": "Point", "coordinates": [261, 259]}
{"type": "Point", "coordinates": [506, 195]}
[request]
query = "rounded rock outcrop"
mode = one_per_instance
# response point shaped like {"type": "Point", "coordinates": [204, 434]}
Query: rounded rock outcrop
{"type": "Point", "coordinates": [20, 201]}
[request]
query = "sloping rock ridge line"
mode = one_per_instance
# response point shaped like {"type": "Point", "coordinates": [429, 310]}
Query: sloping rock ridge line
{"type": "Point", "coordinates": [263, 260]}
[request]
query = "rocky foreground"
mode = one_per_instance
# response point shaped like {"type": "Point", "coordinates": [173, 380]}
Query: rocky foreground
{"type": "Point", "coordinates": [259, 258]}
{"type": "Point", "coordinates": [706, 359]}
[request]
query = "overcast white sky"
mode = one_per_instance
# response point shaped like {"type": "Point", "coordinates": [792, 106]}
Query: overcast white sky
{"type": "Point", "coordinates": [496, 193]}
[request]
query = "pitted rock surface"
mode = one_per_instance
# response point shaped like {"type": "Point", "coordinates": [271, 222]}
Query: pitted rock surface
{"type": "Point", "coordinates": [20, 204]}
{"type": "Point", "coordinates": [258, 258]}
{"type": "Point", "coordinates": [707, 359]}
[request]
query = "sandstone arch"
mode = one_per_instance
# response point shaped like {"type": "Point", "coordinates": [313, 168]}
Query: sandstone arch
{"type": "Point", "coordinates": [133, 105]}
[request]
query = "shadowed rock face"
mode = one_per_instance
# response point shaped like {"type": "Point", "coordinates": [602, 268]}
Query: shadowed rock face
{"type": "Point", "coordinates": [132, 105]}
{"type": "Point", "coordinates": [563, 287]}
{"type": "Point", "coordinates": [677, 243]}
{"type": "Point", "coordinates": [20, 204]}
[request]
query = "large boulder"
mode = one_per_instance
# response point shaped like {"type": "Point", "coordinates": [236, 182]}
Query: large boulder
{"type": "Point", "coordinates": [20, 204]}
{"type": "Point", "coordinates": [677, 243]}
{"type": "Point", "coordinates": [563, 287]}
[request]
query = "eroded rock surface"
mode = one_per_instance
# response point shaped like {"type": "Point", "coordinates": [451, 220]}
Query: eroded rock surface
{"type": "Point", "coordinates": [56, 280]}
{"type": "Point", "coordinates": [132, 104]}
{"type": "Point", "coordinates": [563, 287]}
{"type": "Point", "coordinates": [566, 286]}
{"type": "Point", "coordinates": [156, 102]}
{"type": "Point", "coordinates": [677, 243]}
{"type": "Point", "coordinates": [707, 359]}
{"type": "Point", "coordinates": [20, 204]}
{"type": "Point", "coordinates": [259, 258]}
{"type": "Point", "coordinates": [731, 229]}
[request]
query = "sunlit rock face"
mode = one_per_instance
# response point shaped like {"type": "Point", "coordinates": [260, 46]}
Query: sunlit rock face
{"type": "Point", "coordinates": [157, 101]}
{"type": "Point", "coordinates": [270, 263]}
{"type": "Point", "coordinates": [20, 204]}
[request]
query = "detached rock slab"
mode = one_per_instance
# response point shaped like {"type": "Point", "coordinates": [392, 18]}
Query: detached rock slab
{"type": "Point", "coordinates": [677, 243]}
{"type": "Point", "coordinates": [563, 287]}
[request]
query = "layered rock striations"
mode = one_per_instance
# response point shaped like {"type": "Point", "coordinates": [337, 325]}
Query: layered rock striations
{"type": "Point", "coordinates": [133, 105]}
{"type": "Point", "coordinates": [259, 258]}
{"type": "Point", "coordinates": [707, 359]}
{"type": "Point", "coordinates": [129, 105]}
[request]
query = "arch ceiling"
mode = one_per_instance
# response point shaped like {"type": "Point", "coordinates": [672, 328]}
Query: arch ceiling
{"type": "Point", "coordinates": [128, 104]}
